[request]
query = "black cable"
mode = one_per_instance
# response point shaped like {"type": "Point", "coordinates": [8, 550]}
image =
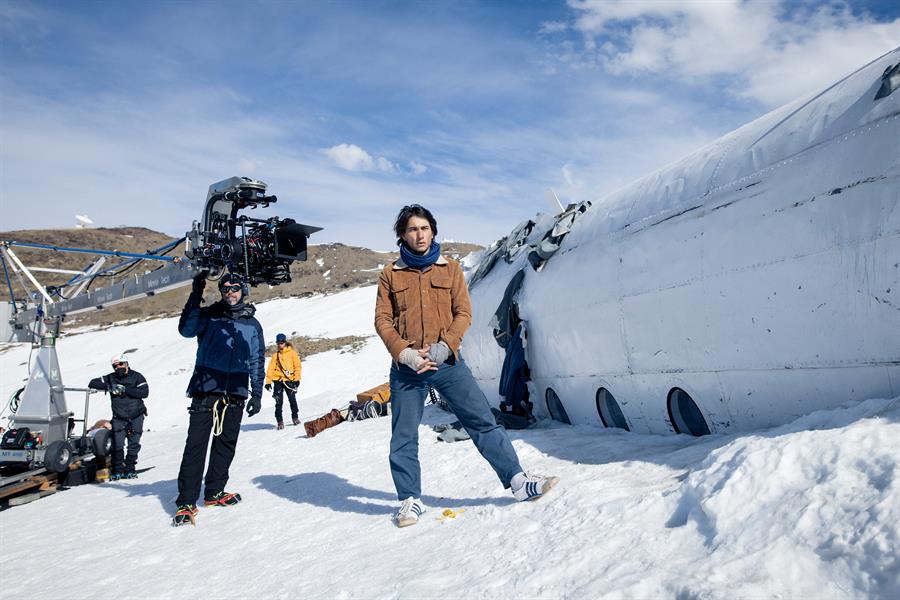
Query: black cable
{"type": "Point", "coordinates": [113, 272]}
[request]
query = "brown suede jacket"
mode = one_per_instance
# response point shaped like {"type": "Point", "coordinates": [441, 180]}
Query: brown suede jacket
{"type": "Point", "coordinates": [416, 308]}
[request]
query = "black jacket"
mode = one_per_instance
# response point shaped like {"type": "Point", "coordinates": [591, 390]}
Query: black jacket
{"type": "Point", "coordinates": [129, 402]}
{"type": "Point", "coordinates": [231, 351]}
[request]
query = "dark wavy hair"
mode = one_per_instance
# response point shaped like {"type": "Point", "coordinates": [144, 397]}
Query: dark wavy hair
{"type": "Point", "coordinates": [413, 210]}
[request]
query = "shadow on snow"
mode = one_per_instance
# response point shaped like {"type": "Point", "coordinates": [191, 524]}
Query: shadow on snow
{"type": "Point", "coordinates": [336, 493]}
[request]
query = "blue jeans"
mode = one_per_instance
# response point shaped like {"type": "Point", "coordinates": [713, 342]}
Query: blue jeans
{"type": "Point", "coordinates": [455, 384]}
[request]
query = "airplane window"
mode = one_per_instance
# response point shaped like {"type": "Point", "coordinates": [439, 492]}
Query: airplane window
{"type": "Point", "coordinates": [685, 415]}
{"type": "Point", "coordinates": [890, 81]}
{"type": "Point", "coordinates": [609, 410]}
{"type": "Point", "coordinates": [555, 408]}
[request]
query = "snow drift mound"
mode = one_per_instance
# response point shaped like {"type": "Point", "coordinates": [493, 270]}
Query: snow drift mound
{"type": "Point", "coordinates": [810, 502]}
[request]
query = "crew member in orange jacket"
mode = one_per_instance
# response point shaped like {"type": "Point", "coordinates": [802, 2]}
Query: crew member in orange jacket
{"type": "Point", "coordinates": [284, 371]}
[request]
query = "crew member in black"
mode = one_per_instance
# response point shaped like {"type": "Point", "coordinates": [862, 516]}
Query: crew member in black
{"type": "Point", "coordinates": [228, 375]}
{"type": "Point", "coordinates": [127, 389]}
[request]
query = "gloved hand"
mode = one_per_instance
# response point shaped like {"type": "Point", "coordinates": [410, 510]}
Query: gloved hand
{"type": "Point", "coordinates": [411, 359]}
{"type": "Point", "coordinates": [117, 389]}
{"type": "Point", "coordinates": [268, 387]}
{"type": "Point", "coordinates": [439, 352]}
{"type": "Point", "coordinates": [199, 283]}
{"type": "Point", "coordinates": [254, 405]}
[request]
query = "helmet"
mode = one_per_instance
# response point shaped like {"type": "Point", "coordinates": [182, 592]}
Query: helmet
{"type": "Point", "coordinates": [118, 358]}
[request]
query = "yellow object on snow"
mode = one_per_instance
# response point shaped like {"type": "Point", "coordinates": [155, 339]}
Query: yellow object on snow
{"type": "Point", "coordinates": [449, 513]}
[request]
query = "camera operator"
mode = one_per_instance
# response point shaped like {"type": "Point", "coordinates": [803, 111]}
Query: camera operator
{"type": "Point", "coordinates": [230, 354]}
{"type": "Point", "coordinates": [127, 389]}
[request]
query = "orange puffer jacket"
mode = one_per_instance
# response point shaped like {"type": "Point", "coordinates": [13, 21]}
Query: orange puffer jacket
{"type": "Point", "coordinates": [417, 308]}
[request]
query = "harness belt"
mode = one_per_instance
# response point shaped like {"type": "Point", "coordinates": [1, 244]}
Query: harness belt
{"type": "Point", "coordinates": [219, 417]}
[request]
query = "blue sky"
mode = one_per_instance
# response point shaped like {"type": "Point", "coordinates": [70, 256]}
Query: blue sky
{"type": "Point", "coordinates": [127, 111]}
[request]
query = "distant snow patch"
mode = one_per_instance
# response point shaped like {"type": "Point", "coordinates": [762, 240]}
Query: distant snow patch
{"type": "Point", "coordinates": [471, 260]}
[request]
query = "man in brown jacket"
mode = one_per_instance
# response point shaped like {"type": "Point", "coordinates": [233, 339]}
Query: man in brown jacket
{"type": "Point", "coordinates": [422, 311]}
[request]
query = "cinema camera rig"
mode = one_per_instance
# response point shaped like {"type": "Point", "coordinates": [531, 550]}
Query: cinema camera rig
{"type": "Point", "coordinates": [258, 250]}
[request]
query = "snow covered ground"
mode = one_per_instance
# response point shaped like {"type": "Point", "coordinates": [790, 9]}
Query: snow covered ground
{"type": "Point", "coordinates": [810, 509]}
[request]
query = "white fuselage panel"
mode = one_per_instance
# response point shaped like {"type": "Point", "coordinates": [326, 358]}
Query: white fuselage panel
{"type": "Point", "coordinates": [760, 275]}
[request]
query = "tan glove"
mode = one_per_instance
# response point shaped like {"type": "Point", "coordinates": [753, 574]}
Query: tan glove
{"type": "Point", "coordinates": [411, 359]}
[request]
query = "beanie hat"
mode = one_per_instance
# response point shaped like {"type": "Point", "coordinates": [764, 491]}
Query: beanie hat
{"type": "Point", "coordinates": [280, 338]}
{"type": "Point", "coordinates": [230, 278]}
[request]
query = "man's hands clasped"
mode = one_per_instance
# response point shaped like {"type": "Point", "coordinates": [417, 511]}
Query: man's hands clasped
{"type": "Point", "coordinates": [425, 359]}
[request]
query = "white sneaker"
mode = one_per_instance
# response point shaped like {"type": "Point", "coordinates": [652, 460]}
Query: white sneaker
{"type": "Point", "coordinates": [409, 513]}
{"type": "Point", "coordinates": [531, 487]}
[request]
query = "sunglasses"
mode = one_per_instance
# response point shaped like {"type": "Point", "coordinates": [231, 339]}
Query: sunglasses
{"type": "Point", "coordinates": [232, 288]}
{"type": "Point", "coordinates": [120, 364]}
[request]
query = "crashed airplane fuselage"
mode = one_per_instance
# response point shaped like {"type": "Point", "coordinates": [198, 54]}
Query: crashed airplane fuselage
{"type": "Point", "coordinates": [752, 282]}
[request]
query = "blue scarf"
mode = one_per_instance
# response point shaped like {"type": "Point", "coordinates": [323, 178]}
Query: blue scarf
{"type": "Point", "coordinates": [420, 261]}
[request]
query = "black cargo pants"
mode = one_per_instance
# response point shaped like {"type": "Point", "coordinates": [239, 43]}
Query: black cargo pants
{"type": "Point", "coordinates": [281, 388]}
{"type": "Point", "coordinates": [122, 430]}
{"type": "Point", "coordinates": [225, 414]}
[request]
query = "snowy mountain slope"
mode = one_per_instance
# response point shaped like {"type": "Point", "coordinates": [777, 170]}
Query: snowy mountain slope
{"type": "Point", "coordinates": [809, 509]}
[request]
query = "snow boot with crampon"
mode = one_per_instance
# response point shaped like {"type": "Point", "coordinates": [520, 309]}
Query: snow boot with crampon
{"type": "Point", "coordinates": [223, 499]}
{"type": "Point", "coordinates": [185, 515]}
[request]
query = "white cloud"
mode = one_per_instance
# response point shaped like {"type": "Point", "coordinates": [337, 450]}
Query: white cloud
{"type": "Point", "coordinates": [778, 51]}
{"type": "Point", "coordinates": [351, 157]}
{"type": "Point", "coordinates": [553, 27]}
{"type": "Point", "coordinates": [417, 168]}
{"type": "Point", "coordinates": [246, 165]}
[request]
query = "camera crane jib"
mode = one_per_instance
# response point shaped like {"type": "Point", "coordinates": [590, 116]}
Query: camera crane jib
{"type": "Point", "coordinates": [258, 250]}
